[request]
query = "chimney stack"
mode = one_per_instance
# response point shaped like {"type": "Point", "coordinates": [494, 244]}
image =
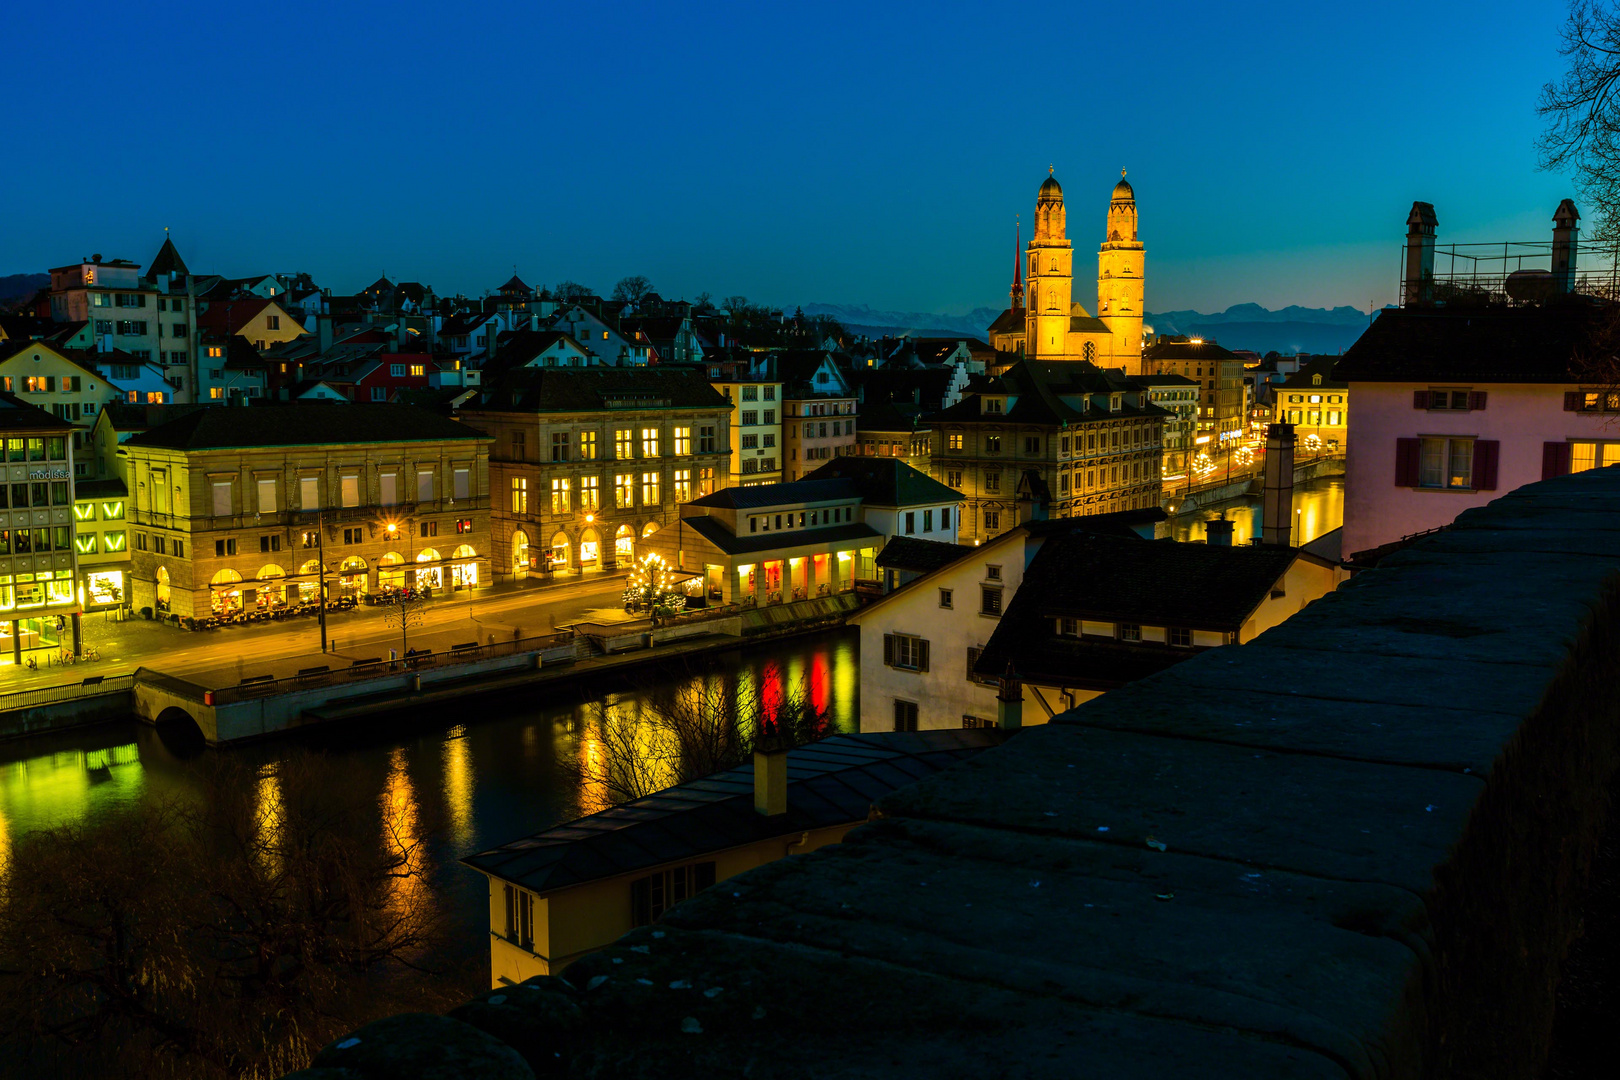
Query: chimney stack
{"type": "Point", "coordinates": [770, 781]}
{"type": "Point", "coordinates": [1420, 226]}
{"type": "Point", "coordinates": [1009, 700]}
{"type": "Point", "coordinates": [1218, 532]}
{"type": "Point", "coordinates": [1277, 508]}
{"type": "Point", "coordinates": [1566, 233]}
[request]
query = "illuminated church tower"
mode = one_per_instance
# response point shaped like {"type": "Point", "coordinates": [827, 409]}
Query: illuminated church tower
{"type": "Point", "coordinates": [1050, 259]}
{"type": "Point", "coordinates": [1120, 264]}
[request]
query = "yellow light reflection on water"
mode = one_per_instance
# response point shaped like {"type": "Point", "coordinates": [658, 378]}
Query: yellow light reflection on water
{"type": "Point", "coordinates": [459, 781]}
{"type": "Point", "coordinates": [402, 832]}
{"type": "Point", "coordinates": [55, 789]}
{"type": "Point", "coordinates": [271, 817]}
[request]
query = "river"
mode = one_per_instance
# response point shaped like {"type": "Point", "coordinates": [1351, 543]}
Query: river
{"type": "Point", "coordinates": [487, 772]}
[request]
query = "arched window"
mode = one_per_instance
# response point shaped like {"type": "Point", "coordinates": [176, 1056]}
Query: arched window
{"type": "Point", "coordinates": [391, 570]}
{"type": "Point", "coordinates": [520, 552]}
{"type": "Point", "coordinates": [651, 527]}
{"type": "Point", "coordinates": [163, 589]}
{"type": "Point", "coordinates": [1089, 351]}
{"type": "Point", "coordinates": [270, 571]}
{"type": "Point", "coordinates": [624, 544]}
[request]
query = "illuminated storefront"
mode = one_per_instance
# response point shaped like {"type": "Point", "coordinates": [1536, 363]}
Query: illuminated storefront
{"type": "Point", "coordinates": [39, 593]}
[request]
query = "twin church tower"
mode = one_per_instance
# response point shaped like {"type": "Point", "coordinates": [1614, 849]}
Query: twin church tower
{"type": "Point", "coordinates": [1049, 324]}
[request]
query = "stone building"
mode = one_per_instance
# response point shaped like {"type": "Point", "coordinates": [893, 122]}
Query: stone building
{"type": "Point", "coordinates": [1054, 326]}
{"type": "Point", "coordinates": [587, 462]}
{"type": "Point", "coordinates": [234, 508]}
{"type": "Point", "coordinates": [756, 421]}
{"type": "Point", "coordinates": [1091, 437]}
{"type": "Point", "coordinates": [38, 568]}
{"type": "Point", "coordinates": [1317, 404]}
{"type": "Point", "coordinates": [1222, 419]}
{"type": "Point", "coordinates": [818, 410]}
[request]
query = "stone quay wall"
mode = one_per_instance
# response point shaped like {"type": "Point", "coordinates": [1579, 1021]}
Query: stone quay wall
{"type": "Point", "coordinates": [1351, 848]}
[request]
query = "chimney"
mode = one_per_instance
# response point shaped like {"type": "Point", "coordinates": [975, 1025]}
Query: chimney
{"type": "Point", "coordinates": [1218, 532]}
{"type": "Point", "coordinates": [1566, 234]}
{"type": "Point", "coordinates": [1010, 701]}
{"type": "Point", "coordinates": [770, 782]}
{"type": "Point", "coordinates": [1277, 509]}
{"type": "Point", "coordinates": [1420, 226]}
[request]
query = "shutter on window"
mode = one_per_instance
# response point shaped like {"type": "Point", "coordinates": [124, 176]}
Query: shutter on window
{"type": "Point", "coordinates": [1554, 459]}
{"type": "Point", "coordinates": [1476, 399]}
{"type": "Point", "coordinates": [888, 649]}
{"type": "Point", "coordinates": [1420, 399]}
{"type": "Point", "coordinates": [922, 654]}
{"type": "Point", "coordinates": [1572, 400]}
{"type": "Point", "coordinates": [1485, 455]}
{"type": "Point", "coordinates": [1406, 462]}
{"type": "Point", "coordinates": [972, 658]}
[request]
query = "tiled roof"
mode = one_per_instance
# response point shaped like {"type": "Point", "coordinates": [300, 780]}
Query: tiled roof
{"type": "Point", "coordinates": [911, 553]}
{"type": "Point", "coordinates": [1181, 348]}
{"type": "Point", "coordinates": [811, 489]}
{"type": "Point", "coordinates": [167, 261]}
{"type": "Point", "coordinates": [886, 481]}
{"type": "Point", "coordinates": [1302, 379]}
{"type": "Point", "coordinates": [1522, 344]}
{"type": "Point", "coordinates": [100, 489]}
{"type": "Point", "coordinates": [717, 534]}
{"type": "Point", "coordinates": [231, 315]}
{"type": "Point", "coordinates": [302, 424]}
{"type": "Point", "coordinates": [18, 415]}
{"type": "Point", "coordinates": [831, 782]}
{"type": "Point", "coordinates": [1010, 321]}
{"type": "Point", "coordinates": [599, 388]}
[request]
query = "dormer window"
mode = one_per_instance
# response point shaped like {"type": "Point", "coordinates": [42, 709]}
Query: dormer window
{"type": "Point", "coordinates": [1316, 380]}
{"type": "Point", "coordinates": [995, 405]}
{"type": "Point", "coordinates": [1115, 402]}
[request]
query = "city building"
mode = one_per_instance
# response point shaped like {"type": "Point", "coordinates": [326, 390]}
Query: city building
{"type": "Point", "coordinates": [818, 410]}
{"type": "Point", "coordinates": [588, 462]}
{"type": "Point", "coordinates": [101, 541]}
{"type": "Point", "coordinates": [572, 889]}
{"type": "Point", "coordinates": [39, 583]}
{"type": "Point", "coordinates": [1089, 435]}
{"type": "Point", "coordinates": [1222, 418]}
{"type": "Point", "coordinates": [111, 295]}
{"type": "Point", "coordinates": [1056, 612]}
{"type": "Point", "coordinates": [756, 422]}
{"type": "Point", "coordinates": [240, 507]}
{"type": "Point", "coordinates": [1317, 403]}
{"type": "Point", "coordinates": [1055, 325]}
{"type": "Point", "coordinates": [888, 431]}
{"type": "Point", "coordinates": [1480, 384]}
{"type": "Point", "coordinates": [261, 321]}
{"type": "Point", "coordinates": [1179, 397]}
{"type": "Point", "coordinates": [63, 382]}
{"type": "Point", "coordinates": [777, 543]}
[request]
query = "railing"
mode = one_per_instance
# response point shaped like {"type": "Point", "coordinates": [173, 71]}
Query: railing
{"type": "Point", "coordinates": [1483, 273]}
{"type": "Point", "coordinates": [91, 686]}
{"type": "Point", "coordinates": [256, 686]}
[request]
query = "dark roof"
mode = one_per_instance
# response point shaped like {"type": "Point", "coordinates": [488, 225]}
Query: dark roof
{"type": "Point", "coordinates": [1088, 575]}
{"type": "Point", "coordinates": [1185, 348]}
{"type": "Point", "coordinates": [167, 261]}
{"type": "Point", "coordinates": [886, 481]}
{"type": "Point", "coordinates": [123, 416]}
{"type": "Point", "coordinates": [1040, 388]}
{"type": "Point", "coordinates": [599, 388]}
{"type": "Point", "coordinates": [1087, 324]}
{"type": "Point", "coordinates": [515, 285]}
{"type": "Point", "coordinates": [723, 538]}
{"type": "Point", "coordinates": [100, 489]}
{"type": "Point", "coordinates": [831, 782]}
{"type": "Point", "coordinates": [1010, 321]}
{"type": "Point", "coordinates": [810, 489]}
{"type": "Point", "coordinates": [1323, 366]}
{"type": "Point", "coordinates": [886, 417]}
{"type": "Point", "coordinates": [912, 553]}
{"type": "Point", "coordinates": [18, 415]}
{"type": "Point", "coordinates": [229, 316]}
{"type": "Point", "coordinates": [1521, 344]}
{"type": "Point", "coordinates": [302, 424]}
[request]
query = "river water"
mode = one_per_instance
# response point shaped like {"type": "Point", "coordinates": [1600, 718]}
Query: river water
{"type": "Point", "coordinates": [487, 772]}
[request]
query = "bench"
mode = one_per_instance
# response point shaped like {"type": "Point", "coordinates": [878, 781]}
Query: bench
{"type": "Point", "coordinates": [94, 680]}
{"type": "Point", "coordinates": [311, 672]}
{"type": "Point", "coordinates": [253, 680]}
{"type": "Point", "coordinates": [464, 646]}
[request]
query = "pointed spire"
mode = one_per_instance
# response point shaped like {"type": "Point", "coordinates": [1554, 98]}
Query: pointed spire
{"type": "Point", "coordinates": [1018, 266]}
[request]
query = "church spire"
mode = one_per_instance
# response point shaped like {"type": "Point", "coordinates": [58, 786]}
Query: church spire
{"type": "Point", "coordinates": [1018, 268]}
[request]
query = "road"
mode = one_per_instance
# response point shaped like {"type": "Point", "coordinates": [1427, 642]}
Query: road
{"type": "Point", "coordinates": [225, 656]}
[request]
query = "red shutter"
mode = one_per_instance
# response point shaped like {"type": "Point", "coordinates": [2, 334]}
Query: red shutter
{"type": "Point", "coordinates": [1554, 459]}
{"type": "Point", "coordinates": [1572, 401]}
{"type": "Point", "coordinates": [1476, 399]}
{"type": "Point", "coordinates": [1420, 399]}
{"type": "Point", "coordinates": [1406, 462]}
{"type": "Point", "coordinates": [1485, 455]}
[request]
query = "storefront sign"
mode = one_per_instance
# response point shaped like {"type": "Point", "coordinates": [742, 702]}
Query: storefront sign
{"type": "Point", "coordinates": [49, 472]}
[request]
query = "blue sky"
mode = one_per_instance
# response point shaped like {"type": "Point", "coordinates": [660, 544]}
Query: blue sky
{"type": "Point", "coordinates": [845, 153]}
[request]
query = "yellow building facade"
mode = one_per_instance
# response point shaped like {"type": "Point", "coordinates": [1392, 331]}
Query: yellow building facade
{"type": "Point", "coordinates": [1055, 326]}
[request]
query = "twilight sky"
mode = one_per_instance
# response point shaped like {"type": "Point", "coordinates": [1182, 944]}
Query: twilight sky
{"type": "Point", "coordinates": [848, 153]}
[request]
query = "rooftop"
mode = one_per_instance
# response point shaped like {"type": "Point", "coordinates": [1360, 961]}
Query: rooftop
{"type": "Point", "coordinates": [1532, 344]}
{"type": "Point", "coordinates": [886, 481]}
{"type": "Point", "coordinates": [301, 424]}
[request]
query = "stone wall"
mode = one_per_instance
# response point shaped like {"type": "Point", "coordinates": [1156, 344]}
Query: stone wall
{"type": "Point", "coordinates": [1352, 848]}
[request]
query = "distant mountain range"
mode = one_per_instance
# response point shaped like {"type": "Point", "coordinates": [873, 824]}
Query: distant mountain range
{"type": "Point", "coordinates": [1241, 326]}
{"type": "Point", "coordinates": [13, 286]}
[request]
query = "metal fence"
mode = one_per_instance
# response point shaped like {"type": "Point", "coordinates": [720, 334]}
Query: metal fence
{"type": "Point", "coordinates": [339, 674]}
{"type": "Point", "coordinates": [90, 686]}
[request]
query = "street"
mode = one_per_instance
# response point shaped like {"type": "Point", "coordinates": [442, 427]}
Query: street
{"type": "Point", "coordinates": [225, 656]}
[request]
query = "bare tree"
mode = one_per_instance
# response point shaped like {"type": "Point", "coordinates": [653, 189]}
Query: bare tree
{"type": "Point", "coordinates": [667, 736]}
{"type": "Point", "coordinates": [225, 939]}
{"type": "Point", "coordinates": [632, 290]}
{"type": "Point", "coordinates": [1582, 115]}
{"type": "Point", "coordinates": [569, 291]}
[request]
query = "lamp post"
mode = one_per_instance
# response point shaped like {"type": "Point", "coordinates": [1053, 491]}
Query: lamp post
{"type": "Point", "coordinates": [320, 556]}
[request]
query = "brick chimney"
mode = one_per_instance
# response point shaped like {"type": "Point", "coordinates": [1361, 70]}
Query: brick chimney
{"type": "Point", "coordinates": [1420, 226]}
{"type": "Point", "coordinates": [770, 782]}
{"type": "Point", "coordinates": [1218, 532]}
{"type": "Point", "coordinates": [1277, 507]}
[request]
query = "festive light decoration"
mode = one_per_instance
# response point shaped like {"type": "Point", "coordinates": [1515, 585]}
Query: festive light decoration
{"type": "Point", "coordinates": [1243, 456]}
{"type": "Point", "coordinates": [1313, 442]}
{"type": "Point", "coordinates": [649, 587]}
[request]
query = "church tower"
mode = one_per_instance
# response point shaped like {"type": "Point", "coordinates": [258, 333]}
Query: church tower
{"type": "Point", "coordinates": [1120, 264]}
{"type": "Point", "coordinates": [1050, 264]}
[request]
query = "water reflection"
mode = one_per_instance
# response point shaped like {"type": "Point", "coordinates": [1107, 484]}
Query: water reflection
{"type": "Point", "coordinates": [271, 817]}
{"type": "Point", "coordinates": [401, 832]}
{"type": "Point", "coordinates": [1318, 509]}
{"type": "Point", "coordinates": [489, 779]}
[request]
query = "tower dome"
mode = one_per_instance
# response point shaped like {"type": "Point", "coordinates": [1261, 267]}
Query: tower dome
{"type": "Point", "coordinates": [1051, 190]}
{"type": "Point", "coordinates": [1122, 190]}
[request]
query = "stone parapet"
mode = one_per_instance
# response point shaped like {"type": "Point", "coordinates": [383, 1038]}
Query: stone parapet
{"type": "Point", "coordinates": [1353, 848]}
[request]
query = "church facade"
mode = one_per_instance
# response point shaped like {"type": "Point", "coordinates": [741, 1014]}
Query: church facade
{"type": "Point", "coordinates": [1044, 322]}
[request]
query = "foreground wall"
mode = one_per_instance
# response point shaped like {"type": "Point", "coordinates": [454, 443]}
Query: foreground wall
{"type": "Point", "coordinates": [1350, 849]}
